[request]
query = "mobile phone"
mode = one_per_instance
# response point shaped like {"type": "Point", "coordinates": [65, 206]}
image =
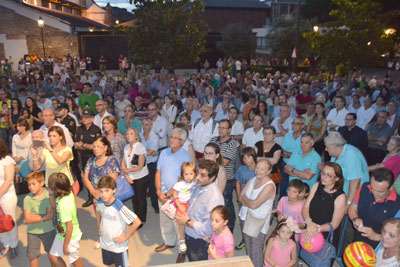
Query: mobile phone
{"type": "Point", "coordinates": [37, 143]}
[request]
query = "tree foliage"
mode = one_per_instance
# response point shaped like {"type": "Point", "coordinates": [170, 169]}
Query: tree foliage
{"type": "Point", "coordinates": [238, 41]}
{"type": "Point", "coordinates": [282, 38]}
{"type": "Point", "coordinates": [354, 37]}
{"type": "Point", "coordinates": [169, 31]}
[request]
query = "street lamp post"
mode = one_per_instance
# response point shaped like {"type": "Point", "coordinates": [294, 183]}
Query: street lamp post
{"type": "Point", "coordinates": [41, 25]}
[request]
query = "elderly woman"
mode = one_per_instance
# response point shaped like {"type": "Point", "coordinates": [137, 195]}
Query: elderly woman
{"type": "Point", "coordinates": [326, 203]}
{"type": "Point", "coordinates": [392, 159]}
{"type": "Point", "coordinates": [8, 201]}
{"type": "Point", "coordinates": [388, 255]}
{"type": "Point", "coordinates": [116, 139]}
{"type": "Point", "coordinates": [257, 199]}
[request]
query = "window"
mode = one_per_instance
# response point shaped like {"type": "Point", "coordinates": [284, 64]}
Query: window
{"type": "Point", "coordinates": [76, 12]}
{"type": "Point", "coordinates": [261, 42]}
{"type": "Point", "coordinates": [45, 3]}
{"type": "Point", "coordinates": [67, 9]}
{"type": "Point", "coordinates": [56, 6]}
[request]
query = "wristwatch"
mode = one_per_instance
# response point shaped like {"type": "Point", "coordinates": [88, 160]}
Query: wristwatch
{"type": "Point", "coordinates": [83, 145]}
{"type": "Point", "coordinates": [187, 223]}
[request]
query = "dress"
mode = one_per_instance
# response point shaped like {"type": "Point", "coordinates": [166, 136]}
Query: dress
{"type": "Point", "coordinates": [281, 256]}
{"type": "Point", "coordinates": [95, 173]}
{"type": "Point", "coordinates": [322, 207]}
{"type": "Point", "coordinates": [269, 154]}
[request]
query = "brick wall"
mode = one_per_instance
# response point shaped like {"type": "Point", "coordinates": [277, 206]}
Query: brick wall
{"type": "Point", "coordinates": [57, 43]}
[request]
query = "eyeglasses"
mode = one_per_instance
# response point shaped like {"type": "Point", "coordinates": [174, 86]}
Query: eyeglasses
{"type": "Point", "coordinates": [327, 175]}
{"type": "Point", "coordinates": [175, 138]}
{"type": "Point", "coordinates": [296, 123]}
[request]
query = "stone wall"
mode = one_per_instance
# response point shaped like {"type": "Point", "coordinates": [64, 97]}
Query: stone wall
{"type": "Point", "coordinates": [57, 42]}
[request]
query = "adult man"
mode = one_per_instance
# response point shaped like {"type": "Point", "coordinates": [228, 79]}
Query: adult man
{"type": "Point", "coordinates": [309, 114]}
{"type": "Point", "coordinates": [205, 197]}
{"type": "Point", "coordinates": [303, 99]}
{"type": "Point", "coordinates": [365, 113]}
{"type": "Point", "coordinates": [151, 142]}
{"type": "Point", "coordinates": [337, 115]}
{"type": "Point", "coordinates": [160, 125]}
{"type": "Point", "coordinates": [167, 174]}
{"type": "Point", "coordinates": [353, 134]}
{"type": "Point", "coordinates": [224, 113]}
{"type": "Point", "coordinates": [37, 135]}
{"type": "Point", "coordinates": [226, 98]}
{"type": "Point", "coordinates": [237, 126]}
{"type": "Point", "coordinates": [88, 100]}
{"type": "Point", "coordinates": [379, 133]}
{"type": "Point", "coordinates": [304, 164]}
{"type": "Point", "coordinates": [393, 119]}
{"type": "Point", "coordinates": [229, 148]}
{"type": "Point", "coordinates": [374, 203]}
{"type": "Point", "coordinates": [102, 112]}
{"type": "Point", "coordinates": [49, 121]}
{"type": "Point", "coordinates": [202, 130]}
{"type": "Point", "coordinates": [189, 109]}
{"type": "Point", "coordinates": [351, 160]}
{"type": "Point", "coordinates": [282, 124]}
{"type": "Point", "coordinates": [145, 96]}
{"type": "Point", "coordinates": [254, 134]}
{"type": "Point", "coordinates": [283, 101]}
{"type": "Point", "coordinates": [43, 102]}
{"type": "Point", "coordinates": [86, 134]}
{"type": "Point", "coordinates": [252, 103]}
{"type": "Point", "coordinates": [120, 104]}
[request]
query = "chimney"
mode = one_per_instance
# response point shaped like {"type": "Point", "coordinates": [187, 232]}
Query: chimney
{"type": "Point", "coordinates": [107, 15]}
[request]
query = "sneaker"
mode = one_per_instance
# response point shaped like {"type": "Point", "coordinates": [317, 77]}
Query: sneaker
{"type": "Point", "coordinates": [97, 245]}
{"type": "Point", "coordinates": [240, 245]}
{"type": "Point", "coordinates": [182, 246]}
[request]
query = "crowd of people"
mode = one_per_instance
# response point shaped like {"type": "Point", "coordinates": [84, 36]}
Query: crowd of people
{"type": "Point", "coordinates": [314, 152]}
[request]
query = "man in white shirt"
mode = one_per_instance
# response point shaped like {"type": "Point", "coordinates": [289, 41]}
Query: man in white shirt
{"type": "Point", "coordinates": [121, 104]}
{"type": "Point", "coordinates": [237, 126]}
{"type": "Point", "coordinates": [203, 130]}
{"type": "Point", "coordinates": [254, 134]}
{"type": "Point", "coordinates": [282, 124]}
{"type": "Point", "coordinates": [160, 125]}
{"type": "Point", "coordinates": [49, 121]}
{"type": "Point", "coordinates": [44, 103]}
{"type": "Point", "coordinates": [189, 109]}
{"type": "Point", "coordinates": [337, 115]}
{"type": "Point", "coordinates": [365, 113]}
{"type": "Point", "coordinates": [101, 109]}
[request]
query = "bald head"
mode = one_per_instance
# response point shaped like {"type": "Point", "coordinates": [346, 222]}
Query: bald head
{"type": "Point", "coordinates": [48, 117]}
{"type": "Point", "coordinates": [37, 135]}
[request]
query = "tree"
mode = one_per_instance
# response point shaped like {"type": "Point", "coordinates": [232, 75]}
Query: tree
{"type": "Point", "coordinates": [169, 31]}
{"type": "Point", "coordinates": [281, 38]}
{"type": "Point", "coordinates": [238, 41]}
{"type": "Point", "coordinates": [354, 38]}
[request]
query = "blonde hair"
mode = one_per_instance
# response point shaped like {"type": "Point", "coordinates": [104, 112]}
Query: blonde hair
{"type": "Point", "coordinates": [187, 165]}
{"type": "Point", "coordinates": [37, 176]}
{"type": "Point", "coordinates": [137, 135]}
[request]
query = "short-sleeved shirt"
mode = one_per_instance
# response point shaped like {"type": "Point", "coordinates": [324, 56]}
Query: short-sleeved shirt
{"type": "Point", "coordinates": [308, 162]}
{"type": "Point", "coordinates": [89, 100]}
{"type": "Point", "coordinates": [243, 175]}
{"type": "Point", "coordinates": [135, 123]}
{"type": "Point", "coordinates": [375, 131]}
{"type": "Point", "coordinates": [288, 209]}
{"type": "Point", "coordinates": [38, 207]}
{"type": "Point", "coordinates": [184, 190]}
{"type": "Point", "coordinates": [223, 243]}
{"type": "Point", "coordinates": [87, 136]}
{"type": "Point", "coordinates": [52, 166]}
{"type": "Point", "coordinates": [169, 164]}
{"type": "Point", "coordinates": [152, 143]}
{"type": "Point", "coordinates": [230, 151]}
{"type": "Point", "coordinates": [290, 144]}
{"type": "Point", "coordinates": [95, 173]}
{"type": "Point", "coordinates": [250, 138]}
{"type": "Point", "coordinates": [353, 164]}
{"type": "Point", "coordinates": [114, 218]}
{"type": "Point", "coordinates": [65, 212]}
{"type": "Point", "coordinates": [137, 149]}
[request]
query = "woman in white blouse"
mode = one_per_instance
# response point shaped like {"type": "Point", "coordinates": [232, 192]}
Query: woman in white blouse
{"type": "Point", "coordinates": [134, 168]}
{"type": "Point", "coordinates": [170, 109]}
{"type": "Point", "coordinates": [21, 143]}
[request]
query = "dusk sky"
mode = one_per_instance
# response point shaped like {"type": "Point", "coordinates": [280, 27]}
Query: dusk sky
{"type": "Point", "coordinates": [117, 3]}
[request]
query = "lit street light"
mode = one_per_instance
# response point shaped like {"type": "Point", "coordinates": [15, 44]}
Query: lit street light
{"type": "Point", "coordinates": [316, 28]}
{"type": "Point", "coordinates": [41, 25]}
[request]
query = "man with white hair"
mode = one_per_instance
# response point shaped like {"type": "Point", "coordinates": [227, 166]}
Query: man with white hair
{"type": "Point", "coordinates": [49, 121]}
{"type": "Point", "coordinates": [101, 109]}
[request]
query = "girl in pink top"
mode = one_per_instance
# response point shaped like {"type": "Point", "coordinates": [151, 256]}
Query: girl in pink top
{"type": "Point", "coordinates": [221, 243]}
{"type": "Point", "coordinates": [281, 249]}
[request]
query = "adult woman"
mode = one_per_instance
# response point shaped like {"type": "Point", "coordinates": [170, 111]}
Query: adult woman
{"type": "Point", "coordinates": [8, 201]}
{"type": "Point", "coordinates": [249, 122]}
{"type": "Point", "coordinates": [209, 98]}
{"type": "Point", "coordinates": [326, 203]}
{"type": "Point", "coordinates": [15, 113]}
{"type": "Point", "coordinates": [56, 155]}
{"type": "Point", "coordinates": [36, 112]}
{"type": "Point", "coordinates": [26, 115]}
{"type": "Point", "coordinates": [185, 124]}
{"type": "Point", "coordinates": [169, 109]}
{"type": "Point", "coordinates": [134, 168]}
{"type": "Point", "coordinates": [269, 150]}
{"type": "Point", "coordinates": [318, 126]}
{"type": "Point", "coordinates": [129, 120]}
{"type": "Point", "coordinates": [116, 139]}
{"type": "Point", "coordinates": [388, 255]}
{"type": "Point", "coordinates": [73, 109]}
{"type": "Point", "coordinates": [213, 152]}
{"type": "Point", "coordinates": [103, 163]}
{"type": "Point", "coordinates": [21, 143]}
{"type": "Point", "coordinates": [262, 109]}
{"type": "Point", "coordinates": [257, 199]}
{"type": "Point", "coordinates": [392, 159]}
{"type": "Point", "coordinates": [55, 102]}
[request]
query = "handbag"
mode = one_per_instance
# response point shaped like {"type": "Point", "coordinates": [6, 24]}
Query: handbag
{"type": "Point", "coordinates": [324, 257]}
{"type": "Point", "coordinates": [252, 226]}
{"type": "Point", "coordinates": [276, 177]}
{"type": "Point", "coordinates": [21, 186]}
{"type": "Point", "coordinates": [169, 208]}
{"type": "Point", "coordinates": [124, 189]}
{"type": "Point", "coordinates": [135, 160]}
{"type": "Point", "coordinates": [6, 222]}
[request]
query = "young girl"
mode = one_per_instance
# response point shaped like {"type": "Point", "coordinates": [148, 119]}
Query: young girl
{"type": "Point", "coordinates": [221, 243]}
{"type": "Point", "coordinates": [281, 247]}
{"type": "Point", "coordinates": [181, 193]}
{"type": "Point", "coordinates": [67, 225]}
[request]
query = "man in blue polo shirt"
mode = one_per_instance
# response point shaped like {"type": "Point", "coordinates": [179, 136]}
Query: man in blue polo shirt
{"type": "Point", "coordinates": [168, 170]}
{"type": "Point", "coordinates": [374, 203]}
{"type": "Point", "coordinates": [304, 165]}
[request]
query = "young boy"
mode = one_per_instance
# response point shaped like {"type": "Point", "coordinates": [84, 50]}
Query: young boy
{"type": "Point", "coordinates": [38, 214]}
{"type": "Point", "coordinates": [112, 217]}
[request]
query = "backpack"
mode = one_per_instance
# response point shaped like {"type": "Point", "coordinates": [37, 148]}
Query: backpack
{"type": "Point", "coordinates": [214, 124]}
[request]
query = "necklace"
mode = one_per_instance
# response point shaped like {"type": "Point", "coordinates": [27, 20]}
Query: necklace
{"type": "Point", "coordinates": [101, 163]}
{"type": "Point", "coordinates": [388, 254]}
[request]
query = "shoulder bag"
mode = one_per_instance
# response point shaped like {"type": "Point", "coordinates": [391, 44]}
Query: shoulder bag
{"type": "Point", "coordinates": [124, 189]}
{"type": "Point", "coordinates": [276, 177]}
{"type": "Point", "coordinates": [324, 257]}
{"type": "Point", "coordinates": [6, 222]}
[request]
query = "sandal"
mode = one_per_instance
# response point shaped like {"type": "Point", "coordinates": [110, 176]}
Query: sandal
{"type": "Point", "coordinates": [4, 252]}
{"type": "Point", "coordinates": [182, 246]}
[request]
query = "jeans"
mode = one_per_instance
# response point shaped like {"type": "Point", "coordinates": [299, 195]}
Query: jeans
{"type": "Point", "coordinates": [285, 180]}
{"type": "Point", "coordinates": [230, 184]}
{"type": "Point", "coordinates": [150, 184]}
{"type": "Point", "coordinates": [196, 249]}
{"type": "Point", "coordinates": [139, 199]}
